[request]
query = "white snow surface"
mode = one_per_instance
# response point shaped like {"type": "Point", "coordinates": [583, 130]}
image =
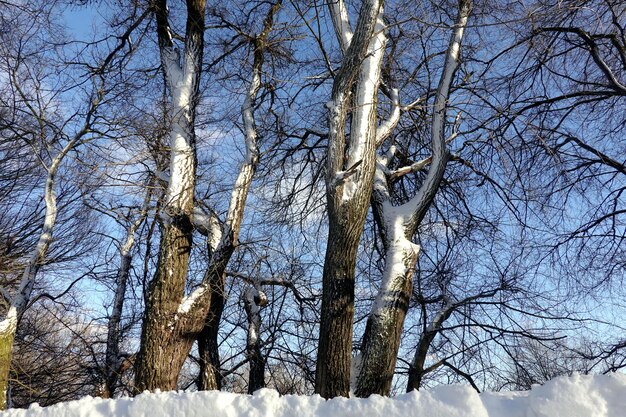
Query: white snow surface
{"type": "Point", "coordinates": [576, 396]}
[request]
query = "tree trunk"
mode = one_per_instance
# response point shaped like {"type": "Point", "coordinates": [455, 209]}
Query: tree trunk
{"type": "Point", "coordinates": [349, 174]}
{"type": "Point", "coordinates": [113, 365]}
{"type": "Point", "coordinates": [416, 368]}
{"type": "Point", "coordinates": [171, 321]}
{"type": "Point", "coordinates": [383, 331]}
{"type": "Point", "coordinates": [208, 343]}
{"type": "Point", "coordinates": [255, 299]}
{"type": "Point", "coordinates": [398, 225]}
{"type": "Point", "coordinates": [7, 334]}
{"type": "Point", "coordinates": [165, 343]}
{"type": "Point", "coordinates": [332, 376]}
{"type": "Point", "coordinates": [416, 373]}
{"type": "Point", "coordinates": [256, 379]}
{"type": "Point", "coordinates": [113, 331]}
{"type": "Point", "coordinates": [18, 302]}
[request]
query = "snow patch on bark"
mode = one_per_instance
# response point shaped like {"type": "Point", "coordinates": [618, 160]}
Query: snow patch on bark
{"type": "Point", "coordinates": [401, 255]}
{"type": "Point", "coordinates": [187, 302]}
{"type": "Point", "coordinates": [209, 225]}
{"type": "Point", "coordinates": [341, 23]}
{"type": "Point", "coordinates": [181, 78]}
{"type": "Point", "coordinates": [254, 299]}
{"type": "Point", "coordinates": [9, 324]}
{"type": "Point", "coordinates": [365, 106]}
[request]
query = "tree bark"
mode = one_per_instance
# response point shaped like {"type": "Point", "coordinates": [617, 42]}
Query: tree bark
{"type": "Point", "coordinates": [113, 362]}
{"type": "Point", "coordinates": [113, 330]}
{"type": "Point", "coordinates": [381, 340]}
{"type": "Point", "coordinates": [349, 175]}
{"type": "Point", "coordinates": [169, 326]}
{"type": "Point", "coordinates": [208, 343]}
{"type": "Point", "coordinates": [255, 299]}
{"type": "Point", "coordinates": [210, 377]}
{"type": "Point", "coordinates": [7, 335]}
{"type": "Point", "coordinates": [382, 337]}
{"type": "Point", "coordinates": [112, 357]}
{"type": "Point", "coordinates": [335, 342]}
{"type": "Point", "coordinates": [165, 342]}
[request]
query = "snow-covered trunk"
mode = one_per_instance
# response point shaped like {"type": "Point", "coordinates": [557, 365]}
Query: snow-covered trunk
{"type": "Point", "coordinates": [165, 342]}
{"type": "Point", "coordinates": [254, 299]}
{"type": "Point", "coordinates": [18, 302]}
{"type": "Point", "coordinates": [348, 189]}
{"type": "Point", "coordinates": [7, 334]}
{"type": "Point", "coordinates": [382, 336]}
{"type": "Point", "coordinates": [112, 358]}
{"type": "Point", "coordinates": [215, 277]}
{"type": "Point", "coordinates": [341, 23]}
{"type": "Point", "coordinates": [383, 331]}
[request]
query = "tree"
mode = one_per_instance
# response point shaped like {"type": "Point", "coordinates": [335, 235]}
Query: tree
{"type": "Point", "coordinates": [115, 363]}
{"type": "Point", "coordinates": [350, 166]}
{"type": "Point", "coordinates": [173, 321]}
{"type": "Point", "coordinates": [220, 255]}
{"type": "Point", "coordinates": [398, 225]}
{"type": "Point", "coordinates": [17, 301]}
{"type": "Point", "coordinates": [166, 338]}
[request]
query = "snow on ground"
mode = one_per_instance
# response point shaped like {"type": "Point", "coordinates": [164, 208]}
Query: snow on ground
{"type": "Point", "coordinates": [576, 396]}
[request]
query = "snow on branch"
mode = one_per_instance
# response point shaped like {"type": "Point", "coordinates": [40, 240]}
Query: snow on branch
{"type": "Point", "coordinates": [387, 127]}
{"type": "Point", "coordinates": [414, 167]}
{"type": "Point", "coordinates": [207, 223]}
{"type": "Point", "coordinates": [341, 23]}
{"type": "Point", "coordinates": [342, 176]}
{"type": "Point", "coordinates": [188, 301]}
{"type": "Point", "coordinates": [249, 166]}
{"type": "Point", "coordinates": [429, 187]}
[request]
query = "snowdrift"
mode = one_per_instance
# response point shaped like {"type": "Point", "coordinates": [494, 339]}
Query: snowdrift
{"type": "Point", "coordinates": [576, 396]}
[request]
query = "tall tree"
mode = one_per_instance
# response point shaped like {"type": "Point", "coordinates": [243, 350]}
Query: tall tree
{"type": "Point", "coordinates": [173, 320]}
{"type": "Point", "coordinates": [228, 241]}
{"type": "Point", "coordinates": [35, 120]}
{"type": "Point", "coordinates": [165, 337]}
{"type": "Point", "coordinates": [114, 362]}
{"type": "Point", "coordinates": [398, 225]}
{"type": "Point", "coordinates": [350, 167]}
